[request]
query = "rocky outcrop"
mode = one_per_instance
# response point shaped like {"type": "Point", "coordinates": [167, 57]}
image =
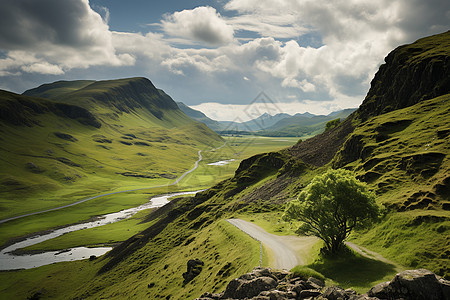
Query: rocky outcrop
{"type": "Point", "coordinates": [267, 284]}
{"type": "Point", "coordinates": [414, 285]}
{"type": "Point", "coordinates": [412, 73]}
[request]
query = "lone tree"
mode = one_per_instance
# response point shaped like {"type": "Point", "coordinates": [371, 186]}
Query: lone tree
{"type": "Point", "coordinates": [331, 206]}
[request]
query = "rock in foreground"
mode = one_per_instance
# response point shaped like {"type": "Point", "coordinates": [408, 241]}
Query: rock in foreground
{"type": "Point", "coordinates": [267, 284]}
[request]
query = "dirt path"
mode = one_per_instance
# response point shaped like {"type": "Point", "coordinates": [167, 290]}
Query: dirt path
{"type": "Point", "coordinates": [286, 251]}
{"type": "Point", "coordinates": [373, 255]}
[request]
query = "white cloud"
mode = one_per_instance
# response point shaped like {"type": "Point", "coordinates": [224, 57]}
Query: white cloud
{"type": "Point", "coordinates": [202, 24]}
{"type": "Point", "coordinates": [43, 68]}
{"type": "Point", "coordinates": [356, 35]}
{"type": "Point", "coordinates": [277, 26]}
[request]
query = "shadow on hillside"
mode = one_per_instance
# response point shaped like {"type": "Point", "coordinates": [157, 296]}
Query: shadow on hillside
{"type": "Point", "coordinates": [350, 269]}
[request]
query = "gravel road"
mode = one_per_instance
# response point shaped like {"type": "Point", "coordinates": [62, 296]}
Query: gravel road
{"type": "Point", "coordinates": [285, 251]}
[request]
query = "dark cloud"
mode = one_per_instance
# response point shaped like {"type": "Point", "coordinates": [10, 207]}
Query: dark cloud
{"type": "Point", "coordinates": [27, 23]}
{"type": "Point", "coordinates": [423, 18]}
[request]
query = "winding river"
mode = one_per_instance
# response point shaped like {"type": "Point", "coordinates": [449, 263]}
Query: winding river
{"type": "Point", "coordinates": [10, 261]}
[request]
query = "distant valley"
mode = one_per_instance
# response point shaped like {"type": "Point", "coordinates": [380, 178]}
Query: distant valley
{"type": "Point", "coordinates": [302, 125]}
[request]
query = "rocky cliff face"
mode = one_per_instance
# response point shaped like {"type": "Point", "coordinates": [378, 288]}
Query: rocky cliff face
{"type": "Point", "coordinates": [412, 73]}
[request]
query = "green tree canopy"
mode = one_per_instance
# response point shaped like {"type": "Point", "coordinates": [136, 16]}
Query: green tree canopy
{"type": "Point", "coordinates": [331, 206]}
{"type": "Point", "coordinates": [331, 124]}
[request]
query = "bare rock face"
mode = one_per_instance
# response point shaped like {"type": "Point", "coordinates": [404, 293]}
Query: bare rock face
{"type": "Point", "coordinates": [267, 284]}
{"type": "Point", "coordinates": [412, 73]}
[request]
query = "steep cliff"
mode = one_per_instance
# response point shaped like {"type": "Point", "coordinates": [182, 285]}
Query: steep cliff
{"type": "Point", "coordinates": [412, 73]}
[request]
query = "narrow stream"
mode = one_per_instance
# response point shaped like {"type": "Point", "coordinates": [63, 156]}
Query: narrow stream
{"type": "Point", "coordinates": [9, 261]}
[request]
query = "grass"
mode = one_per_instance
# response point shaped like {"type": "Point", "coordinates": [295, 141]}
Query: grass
{"type": "Point", "coordinates": [305, 272]}
{"type": "Point", "coordinates": [406, 170]}
{"type": "Point", "coordinates": [351, 270]}
{"type": "Point", "coordinates": [225, 250]}
{"type": "Point", "coordinates": [204, 177]}
{"type": "Point", "coordinates": [56, 281]}
{"type": "Point", "coordinates": [416, 239]}
{"type": "Point", "coordinates": [109, 234]}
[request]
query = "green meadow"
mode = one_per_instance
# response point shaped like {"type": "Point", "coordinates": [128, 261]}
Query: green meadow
{"type": "Point", "coordinates": [203, 177]}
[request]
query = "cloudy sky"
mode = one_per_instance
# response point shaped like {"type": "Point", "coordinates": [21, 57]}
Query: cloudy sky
{"type": "Point", "coordinates": [216, 56]}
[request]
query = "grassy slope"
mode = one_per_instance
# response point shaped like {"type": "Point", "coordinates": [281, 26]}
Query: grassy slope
{"type": "Point", "coordinates": [56, 89]}
{"type": "Point", "coordinates": [40, 170]}
{"type": "Point", "coordinates": [205, 176]}
{"type": "Point", "coordinates": [409, 169]}
{"type": "Point", "coordinates": [406, 162]}
{"type": "Point", "coordinates": [263, 183]}
{"type": "Point", "coordinates": [224, 250]}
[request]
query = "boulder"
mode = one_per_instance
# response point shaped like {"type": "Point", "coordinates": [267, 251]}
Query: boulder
{"type": "Point", "coordinates": [381, 290]}
{"type": "Point", "coordinates": [445, 285]}
{"type": "Point", "coordinates": [262, 284]}
{"type": "Point", "coordinates": [316, 281]}
{"type": "Point", "coordinates": [194, 267]}
{"type": "Point", "coordinates": [418, 284]}
{"type": "Point", "coordinates": [241, 288]}
{"type": "Point", "coordinates": [309, 293]}
{"type": "Point", "coordinates": [335, 293]}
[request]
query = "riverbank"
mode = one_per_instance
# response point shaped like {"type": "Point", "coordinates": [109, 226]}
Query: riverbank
{"type": "Point", "coordinates": [11, 260]}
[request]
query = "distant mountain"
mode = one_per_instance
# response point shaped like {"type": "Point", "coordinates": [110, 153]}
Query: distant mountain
{"type": "Point", "coordinates": [282, 124]}
{"type": "Point", "coordinates": [92, 135]}
{"type": "Point", "coordinates": [259, 123]}
{"type": "Point", "coordinates": [199, 116]}
{"type": "Point", "coordinates": [304, 124]}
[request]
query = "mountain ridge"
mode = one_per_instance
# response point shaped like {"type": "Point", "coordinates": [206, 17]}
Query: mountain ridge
{"type": "Point", "coordinates": [281, 124]}
{"type": "Point", "coordinates": [87, 138]}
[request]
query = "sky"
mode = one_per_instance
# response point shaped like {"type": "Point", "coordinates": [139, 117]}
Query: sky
{"type": "Point", "coordinates": [216, 56]}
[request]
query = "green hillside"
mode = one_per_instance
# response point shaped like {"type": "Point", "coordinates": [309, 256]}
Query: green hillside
{"type": "Point", "coordinates": [56, 89]}
{"type": "Point", "coordinates": [397, 142]}
{"type": "Point", "coordinates": [403, 155]}
{"type": "Point", "coordinates": [95, 138]}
